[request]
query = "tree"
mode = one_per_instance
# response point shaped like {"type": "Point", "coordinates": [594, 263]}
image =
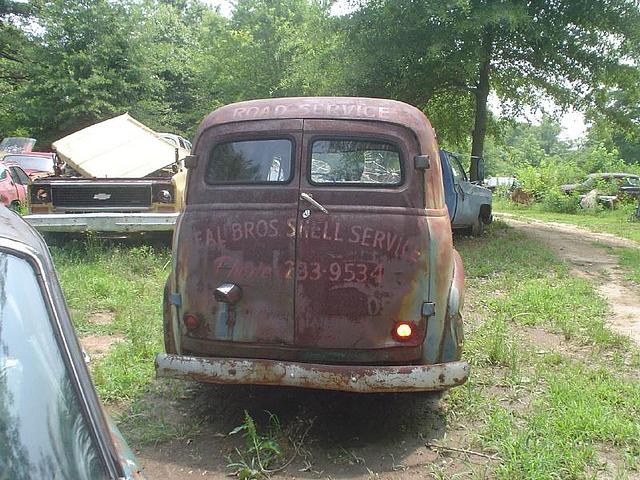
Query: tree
{"type": "Point", "coordinates": [171, 37]}
{"type": "Point", "coordinates": [14, 44]}
{"type": "Point", "coordinates": [270, 49]}
{"type": "Point", "coordinates": [87, 65]}
{"type": "Point", "coordinates": [424, 51]}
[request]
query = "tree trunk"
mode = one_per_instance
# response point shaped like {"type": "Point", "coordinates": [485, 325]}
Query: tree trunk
{"type": "Point", "coordinates": [482, 94]}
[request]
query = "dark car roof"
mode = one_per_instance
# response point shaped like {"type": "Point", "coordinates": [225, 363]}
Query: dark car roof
{"type": "Point", "coordinates": [14, 227]}
{"type": "Point", "coordinates": [347, 108]}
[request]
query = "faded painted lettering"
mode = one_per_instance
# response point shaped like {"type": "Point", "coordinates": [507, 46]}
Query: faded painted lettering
{"type": "Point", "coordinates": [389, 242]}
{"type": "Point", "coordinates": [316, 109]}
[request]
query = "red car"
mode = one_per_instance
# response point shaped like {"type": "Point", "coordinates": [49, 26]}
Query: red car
{"type": "Point", "coordinates": [13, 185]}
{"type": "Point", "coordinates": [36, 164]}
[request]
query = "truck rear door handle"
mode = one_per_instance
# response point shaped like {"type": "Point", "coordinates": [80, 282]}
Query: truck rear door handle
{"type": "Point", "coordinates": [307, 197]}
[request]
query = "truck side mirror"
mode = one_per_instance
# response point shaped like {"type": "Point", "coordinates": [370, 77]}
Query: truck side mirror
{"type": "Point", "coordinates": [477, 165]}
{"type": "Point", "coordinates": [190, 161]}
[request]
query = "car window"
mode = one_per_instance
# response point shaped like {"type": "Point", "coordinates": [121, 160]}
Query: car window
{"type": "Point", "coordinates": [250, 161]}
{"type": "Point", "coordinates": [3, 172]}
{"type": "Point", "coordinates": [17, 144]}
{"type": "Point", "coordinates": [458, 171]}
{"type": "Point", "coordinates": [19, 176]}
{"type": "Point", "coordinates": [43, 432]}
{"type": "Point", "coordinates": [341, 161]}
{"type": "Point", "coordinates": [634, 182]}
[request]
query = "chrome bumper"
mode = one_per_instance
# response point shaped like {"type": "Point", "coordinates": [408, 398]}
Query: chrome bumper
{"type": "Point", "coordinates": [103, 222]}
{"type": "Point", "coordinates": [348, 378]}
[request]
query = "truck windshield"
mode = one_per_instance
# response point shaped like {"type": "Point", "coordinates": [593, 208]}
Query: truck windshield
{"type": "Point", "coordinates": [31, 162]}
{"type": "Point", "coordinates": [43, 432]}
{"type": "Point", "coordinates": [351, 162]}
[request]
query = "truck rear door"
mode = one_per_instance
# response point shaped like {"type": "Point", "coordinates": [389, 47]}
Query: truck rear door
{"type": "Point", "coordinates": [240, 225]}
{"type": "Point", "coordinates": [362, 243]}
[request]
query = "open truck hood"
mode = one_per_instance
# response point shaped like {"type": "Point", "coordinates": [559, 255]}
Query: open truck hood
{"type": "Point", "coordinates": [121, 147]}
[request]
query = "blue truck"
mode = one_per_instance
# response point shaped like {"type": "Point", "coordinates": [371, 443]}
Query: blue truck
{"type": "Point", "coordinates": [468, 202]}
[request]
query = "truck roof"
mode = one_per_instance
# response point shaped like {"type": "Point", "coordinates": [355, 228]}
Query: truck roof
{"type": "Point", "coordinates": [348, 108]}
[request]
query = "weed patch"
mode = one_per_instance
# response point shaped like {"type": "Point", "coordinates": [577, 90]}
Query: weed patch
{"type": "Point", "coordinates": [629, 260]}
{"type": "Point", "coordinates": [546, 415]}
{"type": "Point", "coordinates": [125, 280]}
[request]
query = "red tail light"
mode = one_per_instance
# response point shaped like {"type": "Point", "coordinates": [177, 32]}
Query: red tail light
{"type": "Point", "coordinates": [403, 331]}
{"type": "Point", "coordinates": [191, 321]}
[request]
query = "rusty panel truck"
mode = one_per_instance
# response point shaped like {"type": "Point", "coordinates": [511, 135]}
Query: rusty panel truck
{"type": "Point", "coordinates": [315, 250]}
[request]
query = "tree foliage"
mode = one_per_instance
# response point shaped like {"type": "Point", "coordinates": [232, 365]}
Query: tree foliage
{"type": "Point", "coordinates": [430, 51]}
{"type": "Point", "coordinates": [68, 63]}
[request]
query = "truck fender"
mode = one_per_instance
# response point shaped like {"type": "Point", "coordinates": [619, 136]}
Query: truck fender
{"type": "Point", "coordinates": [454, 336]}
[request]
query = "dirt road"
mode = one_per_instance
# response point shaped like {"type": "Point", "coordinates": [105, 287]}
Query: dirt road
{"type": "Point", "coordinates": [587, 254]}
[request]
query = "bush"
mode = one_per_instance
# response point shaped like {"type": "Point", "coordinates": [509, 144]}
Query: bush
{"type": "Point", "coordinates": [541, 180]}
{"type": "Point", "coordinates": [555, 200]}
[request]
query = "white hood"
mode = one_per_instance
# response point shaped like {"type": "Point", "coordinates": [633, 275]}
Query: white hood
{"type": "Point", "coordinates": [120, 147]}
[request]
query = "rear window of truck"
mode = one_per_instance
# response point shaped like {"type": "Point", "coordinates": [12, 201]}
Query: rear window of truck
{"type": "Point", "coordinates": [250, 161]}
{"type": "Point", "coordinates": [355, 162]}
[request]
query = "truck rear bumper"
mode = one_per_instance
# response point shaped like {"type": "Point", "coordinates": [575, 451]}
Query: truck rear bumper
{"type": "Point", "coordinates": [103, 222]}
{"type": "Point", "coordinates": [349, 378]}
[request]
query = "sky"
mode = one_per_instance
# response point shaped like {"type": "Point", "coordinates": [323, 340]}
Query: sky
{"type": "Point", "coordinates": [572, 122]}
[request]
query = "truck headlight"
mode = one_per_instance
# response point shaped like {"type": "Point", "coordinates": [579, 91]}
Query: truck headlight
{"type": "Point", "coordinates": [40, 194]}
{"type": "Point", "coordinates": [164, 196]}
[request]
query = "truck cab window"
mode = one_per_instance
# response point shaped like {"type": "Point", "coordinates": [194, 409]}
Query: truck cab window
{"type": "Point", "coordinates": [355, 162]}
{"type": "Point", "coordinates": [250, 161]}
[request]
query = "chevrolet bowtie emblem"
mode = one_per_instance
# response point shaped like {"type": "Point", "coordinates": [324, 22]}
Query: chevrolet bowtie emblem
{"type": "Point", "coordinates": [102, 196]}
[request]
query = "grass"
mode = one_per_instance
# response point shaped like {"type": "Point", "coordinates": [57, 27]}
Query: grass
{"type": "Point", "coordinates": [620, 222]}
{"type": "Point", "coordinates": [125, 281]}
{"type": "Point", "coordinates": [545, 413]}
{"type": "Point", "coordinates": [629, 259]}
{"type": "Point", "coordinates": [569, 409]}
{"type": "Point", "coordinates": [580, 411]}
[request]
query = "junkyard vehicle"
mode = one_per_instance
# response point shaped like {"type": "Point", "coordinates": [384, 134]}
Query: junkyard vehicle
{"type": "Point", "coordinates": [603, 188]}
{"type": "Point", "coordinates": [633, 190]}
{"type": "Point", "coordinates": [508, 184]}
{"type": "Point", "coordinates": [619, 180]}
{"type": "Point", "coordinates": [120, 177]}
{"type": "Point", "coordinates": [177, 140]}
{"type": "Point", "coordinates": [13, 185]}
{"type": "Point", "coordinates": [315, 250]}
{"type": "Point", "coordinates": [52, 423]}
{"type": "Point", "coordinates": [35, 164]}
{"type": "Point", "coordinates": [469, 204]}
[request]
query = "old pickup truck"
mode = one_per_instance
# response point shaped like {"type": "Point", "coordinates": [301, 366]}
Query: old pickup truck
{"type": "Point", "coordinates": [120, 176]}
{"type": "Point", "coordinates": [469, 203]}
{"type": "Point", "coordinates": [315, 250]}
